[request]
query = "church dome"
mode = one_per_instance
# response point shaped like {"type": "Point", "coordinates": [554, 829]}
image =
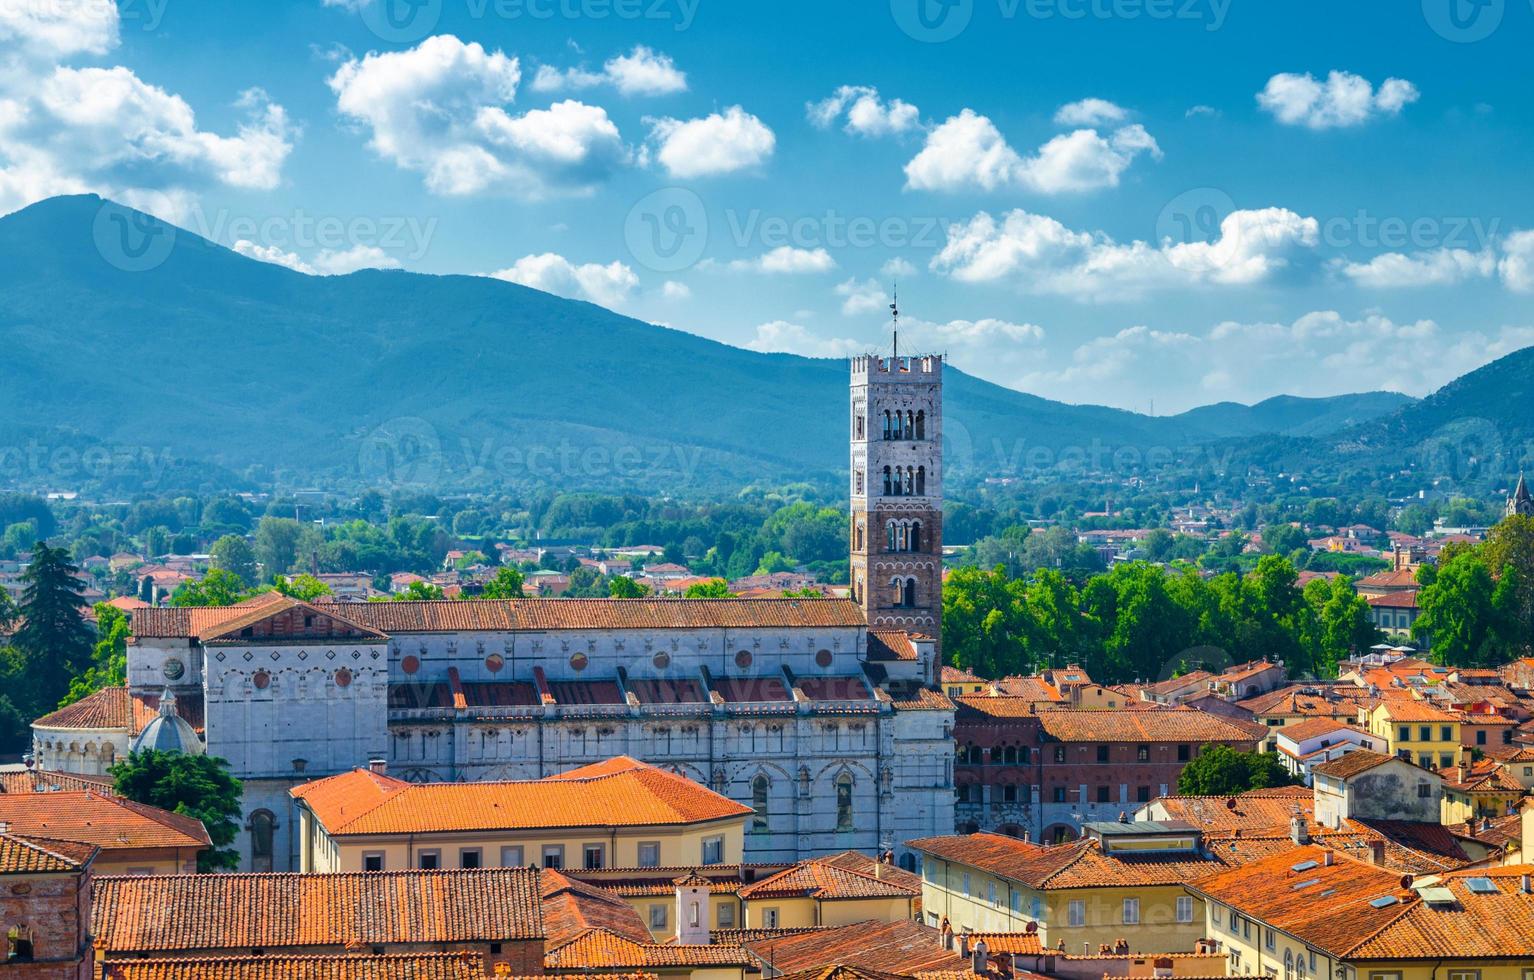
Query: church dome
{"type": "Point", "coordinates": [169, 732]}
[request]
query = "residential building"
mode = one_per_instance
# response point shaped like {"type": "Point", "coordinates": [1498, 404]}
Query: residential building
{"type": "Point", "coordinates": [1478, 791]}
{"type": "Point", "coordinates": [1310, 912]}
{"type": "Point", "coordinates": [619, 813]}
{"type": "Point", "coordinates": [958, 682]}
{"type": "Point", "coordinates": [895, 949]}
{"type": "Point", "coordinates": [1396, 614]}
{"type": "Point", "coordinates": [45, 908]}
{"type": "Point", "coordinates": [820, 893]}
{"type": "Point", "coordinates": [132, 838]}
{"type": "Point", "coordinates": [356, 966]}
{"type": "Point", "coordinates": [1381, 787]}
{"type": "Point", "coordinates": [1415, 730]}
{"type": "Point", "coordinates": [1315, 740]}
{"type": "Point", "coordinates": [1121, 881]}
{"type": "Point", "coordinates": [1251, 679]}
{"type": "Point", "coordinates": [1302, 702]}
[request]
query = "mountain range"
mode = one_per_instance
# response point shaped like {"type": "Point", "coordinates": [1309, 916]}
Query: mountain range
{"type": "Point", "coordinates": [136, 340]}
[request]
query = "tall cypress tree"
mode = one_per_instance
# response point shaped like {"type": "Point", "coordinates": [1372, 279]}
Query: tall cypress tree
{"type": "Point", "coordinates": [55, 641]}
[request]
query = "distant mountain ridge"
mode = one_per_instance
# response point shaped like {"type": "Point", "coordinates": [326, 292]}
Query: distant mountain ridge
{"type": "Point", "coordinates": [115, 338]}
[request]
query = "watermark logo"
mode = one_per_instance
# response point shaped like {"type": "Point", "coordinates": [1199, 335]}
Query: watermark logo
{"type": "Point", "coordinates": [402, 452]}
{"type": "Point", "coordinates": [667, 230]}
{"type": "Point", "coordinates": [1194, 216]}
{"type": "Point", "coordinates": [932, 21]}
{"type": "Point", "coordinates": [1464, 451]}
{"type": "Point", "coordinates": [131, 241]}
{"type": "Point", "coordinates": [401, 21]}
{"type": "Point", "coordinates": [1463, 21]}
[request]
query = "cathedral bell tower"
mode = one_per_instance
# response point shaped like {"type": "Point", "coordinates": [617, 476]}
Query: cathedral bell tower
{"type": "Point", "coordinates": [897, 491]}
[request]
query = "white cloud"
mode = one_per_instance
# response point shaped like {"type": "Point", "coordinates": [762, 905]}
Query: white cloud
{"type": "Point", "coordinates": [640, 72]}
{"type": "Point", "coordinates": [1316, 355]}
{"type": "Point", "coordinates": [1042, 255]}
{"type": "Point", "coordinates": [862, 296]}
{"type": "Point", "coordinates": [1435, 267]}
{"type": "Point", "coordinates": [866, 113]}
{"type": "Point", "coordinates": [897, 268]}
{"type": "Point", "coordinates": [52, 29]}
{"type": "Point", "coordinates": [274, 255]}
{"type": "Point", "coordinates": [1090, 112]}
{"type": "Point", "coordinates": [968, 150]}
{"type": "Point", "coordinates": [438, 109]}
{"type": "Point", "coordinates": [1206, 111]}
{"type": "Point", "coordinates": [781, 336]}
{"type": "Point", "coordinates": [719, 143]}
{"type": "Point", "coordinates": [1516, 267]}
{"type": "Point", "coordinates": [1344, 99]}
{"type": "Point", "coordinates": [787, 260]}
{"type": "Point", "coordinates": [606, 285]}
{"type": "Point", "coordinates": [676, 291]}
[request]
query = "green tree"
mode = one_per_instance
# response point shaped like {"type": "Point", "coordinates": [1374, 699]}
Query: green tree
{"type": "Point", "coordinates": [109, 658]}
{"type": "Point", "coordinates": [54, 640]}
{"type": "Point", "coordinates": [305, 587]}
{"type": "Point", "coordinates": [8, 610]}
{"type": "Point", "coordinates": [233, 554]}
{"type": "Point", "coordinates": [986, 621]}
{"type": "Point", "coordinates": [277, 544]}
{"type": "Point", "coordinates": [1283, 539]}
{"type": "Point", "coordinates": [417, 591]}
{"type": "Point", "coordinates": [1342, 626]}
{"type": "Point", "coordinates": [1458, 615]}
{"type": "Point", "coordinates": [1222, 771]}
{"type": "Point", "coordinates": [623, 587]}
{"type": "Point", "coordinates": [217, 588]}
{"type": "Point", "coordinates": [714, 588]}
{"type": "Point", "coordinates": [1509, 554]}
{"type": "Point", "coordinates": [507, 584]}
{"type": "Point", "coordinates": [193, 785]}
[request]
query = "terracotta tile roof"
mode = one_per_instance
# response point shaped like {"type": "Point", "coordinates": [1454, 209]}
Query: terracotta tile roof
{"type": "Point", "coordinates": [571, 908]}
{"type": "Point", "coordinates": [858, 861]}
{"type": "Point", "coordinates": [959, 675]}
{"type": "Point", "coordinates": [823, 880]}
{"type": "Point", "coordinates": [1078, 864]}
{"type": "Point", "coordinates": [1314, 728]}
{"type": "Point", "coordinates": [395, 966]}
{"type": "Point", "coordinates": [1353, 763]}
{"type": "Point", "coordinates": [884, 645]}
{"type": "Point", "coordinates": [21, 854]}
{"type": "Point", "coordinates": [1194, 678]}
{"type": "Point", "coordinates": [110, 822]}
{"type": "Point", "coordinates": [189, 913]}
{"type": "Point", "coordinates": [922, 699]}
{"type": "Point", "coordinates": [445, 615]}
{"type": "Point", "coordinates": [602, 950]}
{"type": "Point", "coordinates": [1016, 943]}
{"type": "Point", "coordinates": [1486, 776]}
{"type": "Point", "coordinates": [47, 781]}
{"type": "Point", "coordinates": [1148, 725]}
{"type": "Point", "coordinates": [1213, 814]}
{"type": "Point", "coordinates": [1241, 672]}
{"type": "Point", "coordinates": [902, 947]}
{"type": "Point", "coordinates": [621, 792]}
{"type": "Point", "coordinates": [114, 709]}
{"type": "Point", "coordinates": [1294, 701]}
{"type": "Point", "coordinates": [745, 690]}
{"type": "Point", "coordinates": [1393, 600]}
{"type": "Point", "coordinates": [841, 971]}
{"type": "Point", "coordinates": [1396, 578]}
{"type": "Point", "coordinates": [1031, 688]}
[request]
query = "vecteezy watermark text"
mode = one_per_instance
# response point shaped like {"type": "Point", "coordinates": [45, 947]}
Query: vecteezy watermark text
{"type": "Point", "coordinates": [934, 21]}
{"type": "Point", "coordinates": [409, 21]}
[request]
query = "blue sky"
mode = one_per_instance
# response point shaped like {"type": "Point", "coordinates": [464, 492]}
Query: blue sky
{"type": "Point", "coordinates": [1128, 202]}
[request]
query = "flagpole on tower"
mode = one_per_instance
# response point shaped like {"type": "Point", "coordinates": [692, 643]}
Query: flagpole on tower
{"type": "Point", "coordinates": [895, 315]}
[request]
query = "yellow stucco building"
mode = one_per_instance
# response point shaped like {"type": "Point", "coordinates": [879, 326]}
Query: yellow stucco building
{"type": "Point", "coordinates": [1078, 895]}
{"type": "Point", "coordinates": [1312, 914]}
{"type": "Point", "coordinates": [1420, 732]}
{"type": "Point", "coordinates": [619, 813]}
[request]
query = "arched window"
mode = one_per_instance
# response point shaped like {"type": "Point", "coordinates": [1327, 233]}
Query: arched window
{"type": "Point", "coordinates": [262, 826]}
{"type": "Point", "coordinates": [910, 425]}
{"type": "Point", "coordinates": [899, 427]}
{"type": "Point", "coordinates": [886, 425]}
{"type": "Point", "coordinates": [910, 592]}
{"type": "Point", "coordinates": [844, 801]}
{"type": "Point", "coordinates": [889, 536]}
{"type": "Point", "coordinates": [759, 787]}
{"type": "Point", "coordinates": [1288, 964]}
{"type": "Point", "coordinates": [915, 536]}
{"type": "Point", "coordinates": [921, 425]}
{"type": "Point", "coordinates": [899, 597]}
{"type": "Point", "coordinates": [857, 426]}
{"type": "Point", "coordinates": [921, 481]}
{"type": "Point", "coordinates": [910, 480]}
{"type": "Point", "coordinates": [887, 481]}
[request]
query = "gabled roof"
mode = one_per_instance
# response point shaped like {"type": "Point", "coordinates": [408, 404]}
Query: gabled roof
{"type": "Point", "coordinates": [825, 881]}
{"type": "Point", "coordinates": [110, 822]}
{"type": "Point", "coordinates": [389, 966]}
{"type": "Point", "coordinates": [42, 855]}
{"type": "Point", "coordinates": [190, 913]}
{"type": "Point", "coordinates": [887, 644]}
{"type": "Point", "coordinates": [1355, 762]}
{"type": "Point", "coordinates": [1146, 725]}
{"type": "Point", "coordinates": [621, 792]}
{"type": "Point", "coordinates": [1411, 710]}
{"type": "Point", "coordinates": [1315, 728]}
{"type": "Point", "coordinates": [1077, 864]}
{"type": "Point", "coordinates": [902, 947]}
{"type": "Point", "coordinates": [599, 949]}
{"type": "Point", "coordinates": [115, 709]}
{"type": "Point", "coordinates": [571, 908]}
{"type": "Point", "coordinates": [48, 781]}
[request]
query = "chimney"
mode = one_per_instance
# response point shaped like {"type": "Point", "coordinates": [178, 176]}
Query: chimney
{"type": "Point", "coordinates": [1526, 885]}
{"type": "Point", "coordinates": [378, 766]}
{"type": "Point", "coordinates": [1298, 832]}
{"type": "Point", "coordinates": [946, 933]}
{"type": "Point", "coordinates": [1376, 852]}
{"type": "Point", "coordinates": [692, 910]}
{"type": "Point", "coordinates": [1327, 858]}
{"type": "Point", "coordinates": [981, 961]}
{"type": "Point", "coordinates": [5, 827]}
{"type": "Point", "coordinates": [963, 944]}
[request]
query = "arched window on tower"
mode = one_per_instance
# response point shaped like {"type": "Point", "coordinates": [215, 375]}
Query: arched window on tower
{"type": "Point", "coordinates": [262, 828]}
{"type": "Point", "coordinates": [899, 592]}
{"type": "Point", "coordinates": [910, 480]}
{"type": "Point", "coordinates": [886, 425]}
{"type": "Point", "coordinates": [844, 801]}
{"type": "Point", "coordinates": [921, 481]}
{"type": "Point", "coordinates": [857, 426]}
{"type": "Point", "coordinates": [899, 427]}
{"type": "Point", "coordinates": [910, 424]}
{"type": "Point", "coordinates": [910, 592]}
{"type": "Point", "coordinates": [759, 787]}
{"type": "Point", "coordinates": [915, 536]}
{"type": "Point", "coordinates": [921, 425]}
{"type": "Point", "coordinates": [889, 536]}
{"type": "Point", "coordinates": [887, 490]}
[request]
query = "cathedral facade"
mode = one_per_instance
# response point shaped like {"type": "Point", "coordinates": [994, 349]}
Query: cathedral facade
{"type": "Point", "coordinates": [822, 715]}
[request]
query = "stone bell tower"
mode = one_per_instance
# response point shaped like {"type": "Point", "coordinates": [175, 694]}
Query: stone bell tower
{"type": "Point", "coordinates": [897, 491]}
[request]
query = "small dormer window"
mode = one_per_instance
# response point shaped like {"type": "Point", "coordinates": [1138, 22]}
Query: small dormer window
{"type": "Point", "coordinates": [308, 621]}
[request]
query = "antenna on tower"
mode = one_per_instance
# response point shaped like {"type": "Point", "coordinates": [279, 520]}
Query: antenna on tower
{"type": "Point", "coordinates": [895, 317]}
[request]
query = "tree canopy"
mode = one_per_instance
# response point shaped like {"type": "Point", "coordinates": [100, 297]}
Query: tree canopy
{"type": "Point", "coordinates": [1220, 770]}
{"type": "Point", "coordinates": [195, 785]}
